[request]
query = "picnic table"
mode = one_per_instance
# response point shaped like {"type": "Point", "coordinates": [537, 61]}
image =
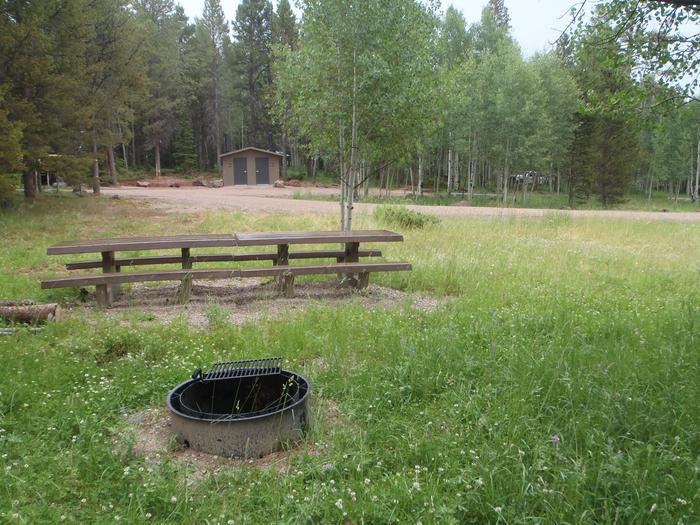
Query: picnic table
{"type": "Point", "coordinates": [107, 285]}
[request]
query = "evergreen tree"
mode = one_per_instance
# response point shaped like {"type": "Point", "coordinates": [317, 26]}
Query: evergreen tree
{"type": "Point", "coordinates": [284, 25]}
{"type": "Point", "coordinates": [252, 31]}
{"type": "Point", "coordinates": [164, 29]}
{"type": "Point", "coordinates": [213, 32]}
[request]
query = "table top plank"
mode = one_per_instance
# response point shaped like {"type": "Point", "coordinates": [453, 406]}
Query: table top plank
{"type": "Point", "coordinates": [316, 237]}
{"type": "Point", "coordinates": [222, 240]}
{"type": "Point", "coordinates": [144, 243]}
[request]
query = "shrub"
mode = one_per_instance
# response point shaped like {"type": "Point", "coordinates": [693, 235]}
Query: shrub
{"type": "Point", "coordinates": [7, 190]}
{"type": "Point", "coordinates": [399, 216]}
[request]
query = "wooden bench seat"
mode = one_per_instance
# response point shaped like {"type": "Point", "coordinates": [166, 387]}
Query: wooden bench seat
{"type": "Point", "coordinates": [285, 274]}
{"type": "Point", "coordinates": [255, 256]}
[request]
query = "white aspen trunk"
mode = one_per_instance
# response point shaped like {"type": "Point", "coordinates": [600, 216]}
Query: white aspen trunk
{"type": "Point", "coordinates": [651, 183]}
{"type": "Point", "coordinates": [133, 145]}
{"type": "Point", "coordinates": [697, 174]}
{"type": "Point", "coordinates": [283, 164]}
{"type": "Point", "coordinates": [350, 180]}
{"type": "Point", "coordinates": [437, 173]}
{"type": "Point", "coordinates": [449, 171]}
{"type": "Point", "coordinates": [505, 174]}
{"type": "Point", "coordinates": [343, 174]}
{"type": "Point", "coordinates": [157, 155]}
{"type": "Point", "coordinates": [456, 177]}
{"type": "Point", "coordinates": [121, 135]}
{"type": "Point", "coordinates": [410, 171]}
{"type": "Point", "coordinates": [112, 165]}
{"type": "Point", "coordinates": [420, 175]}
{"type": "Point", "coordinates": [95, 167]}
{"type": "Point", "coordinates": [365, 182]}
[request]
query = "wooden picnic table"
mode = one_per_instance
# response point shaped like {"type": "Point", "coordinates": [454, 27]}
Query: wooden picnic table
{"type": "Point", "coordinates": [282, 240]}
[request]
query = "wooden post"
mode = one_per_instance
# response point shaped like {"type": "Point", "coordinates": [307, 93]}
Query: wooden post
{"type": "Point", "coordinates": [288, 284]}
{"type": "Point", "coordinates": [183, 293]}
{"type": "Point", "coordinates": [105, 293]}
{"type": "Point", "coordinates": [282, 254]}
{"type": "Point", "coordinates": [363, 280]}
{"type": "Point", "coordinates": [352, 255]}
{"type": "Point", "coordinates": [282, 260]}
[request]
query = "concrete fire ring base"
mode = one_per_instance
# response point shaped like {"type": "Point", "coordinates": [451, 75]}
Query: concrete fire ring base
{"type": "Point", "coordinates": [246, 437]}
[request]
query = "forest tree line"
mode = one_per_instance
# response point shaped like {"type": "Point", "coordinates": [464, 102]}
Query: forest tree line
{"type": "Point", "coordinates": [387, 92]}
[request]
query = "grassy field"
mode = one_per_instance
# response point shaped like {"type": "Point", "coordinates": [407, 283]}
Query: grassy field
{"type": "Point", "coordinates": [558, 382]}
{"type": "Point", "coordinates": [660, 201]}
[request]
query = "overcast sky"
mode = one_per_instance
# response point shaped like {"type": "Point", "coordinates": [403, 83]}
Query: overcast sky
{"type": "Point", "coordinates": [536, 23]}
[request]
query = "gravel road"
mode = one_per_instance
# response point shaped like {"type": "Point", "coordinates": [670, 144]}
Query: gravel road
{"type": "Point", "coordinates": [268, 199]}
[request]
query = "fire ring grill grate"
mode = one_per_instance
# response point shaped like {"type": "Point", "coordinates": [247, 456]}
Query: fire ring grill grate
{"type": "Point", "coordinates": [240, 408]}
{"type": "Point", "coordinates": [242, 368]}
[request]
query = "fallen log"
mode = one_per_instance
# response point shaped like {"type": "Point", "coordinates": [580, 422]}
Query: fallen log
{"type": "Point", "coordinates": [10, 331]}
{"type": "Point", "coordinates": [30, 313]}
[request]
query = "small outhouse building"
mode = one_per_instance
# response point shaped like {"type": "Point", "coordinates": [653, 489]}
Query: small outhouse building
{"type": "Point", "coordinates": [250, 166]}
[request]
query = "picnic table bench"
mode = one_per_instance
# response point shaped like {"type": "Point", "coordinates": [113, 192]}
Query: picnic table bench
{"type": "Point", "coordinates": [347, 259]}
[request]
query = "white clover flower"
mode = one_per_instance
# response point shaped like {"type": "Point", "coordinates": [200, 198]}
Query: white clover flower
{"type": "Point", "coordinates": [173, 500]}
{"type": "Point", "coordinates": [339, 504]}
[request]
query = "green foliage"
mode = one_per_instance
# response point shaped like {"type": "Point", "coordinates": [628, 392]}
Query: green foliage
{"type": "Point", "coordinates": [356, 55]}
{"type": "Point", "coordinates": [401, 217]}
{"type": "Point", "coordinates": [251, 64]}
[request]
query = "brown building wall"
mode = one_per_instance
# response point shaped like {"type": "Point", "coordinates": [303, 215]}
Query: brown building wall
{"type": "Point", "coordinates": [250, 156]}
{"type": "Point", "coordinates": [228, 171]}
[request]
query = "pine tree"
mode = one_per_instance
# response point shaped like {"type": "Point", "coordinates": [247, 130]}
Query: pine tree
{"type": "Point", "coordinates": [284, 26]}
{"type": "Point", "coordinates": [500, 13]}
{"type": "Point", "coordinates": [252, 32]}
{"type": "Point", "coordinates": [164, 27]}
{"type": "Point", "coordinates": [213, 31]}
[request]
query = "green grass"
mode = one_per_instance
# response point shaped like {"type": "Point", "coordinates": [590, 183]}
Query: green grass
{"type": "Point", "coordinates": [583, 329]}
{"type": "Point", "coordinates": [659, 202]}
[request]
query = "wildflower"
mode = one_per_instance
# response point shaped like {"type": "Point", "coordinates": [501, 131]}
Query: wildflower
{"type": "Point", "coordinates": [681, 501]}
{"type": "Point", "coordinates": [328, 466]}
{"type": "Point", "coordinates": [339, 504]}
{"type": "Point", "coordinates": [555, 439]}
{"type": "Point", "coordinates": [367, 481]}
{"type": "Point", "coordinates": [498, 509]}
{"type": "Point", "coordinates": [653, 508]}
{"type": "Point", "coordinates": [173, 500]}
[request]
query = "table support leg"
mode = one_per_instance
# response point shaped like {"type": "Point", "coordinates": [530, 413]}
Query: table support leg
{"type": "Point", "coordinates": [288, 284]}
{"type": "Point", "coordinates": [185, 289]}
{"type": "Point", "coordinates": [363, 280]}
{"type": "Point", "coordinates": [352, 255]}
{"type": "Point", "coordinates": [105, 293]}
{"type": "Point", "coordinates": [282, 260]}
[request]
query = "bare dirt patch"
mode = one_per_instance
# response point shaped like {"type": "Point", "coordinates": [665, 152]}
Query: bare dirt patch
{"type": "Point", "coordinates": [151, 436]}
{"type": "Point", "coordinates": [238, 301]}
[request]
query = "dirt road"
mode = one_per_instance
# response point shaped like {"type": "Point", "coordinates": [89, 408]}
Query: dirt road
{"type": "Point", "coordinates": [279, 200]}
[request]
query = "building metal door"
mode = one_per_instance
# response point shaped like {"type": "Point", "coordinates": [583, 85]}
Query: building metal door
{"type": "Point", "coordinates": [240, 171]}
{"type": "Point", "coordinates": [262, 170]}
